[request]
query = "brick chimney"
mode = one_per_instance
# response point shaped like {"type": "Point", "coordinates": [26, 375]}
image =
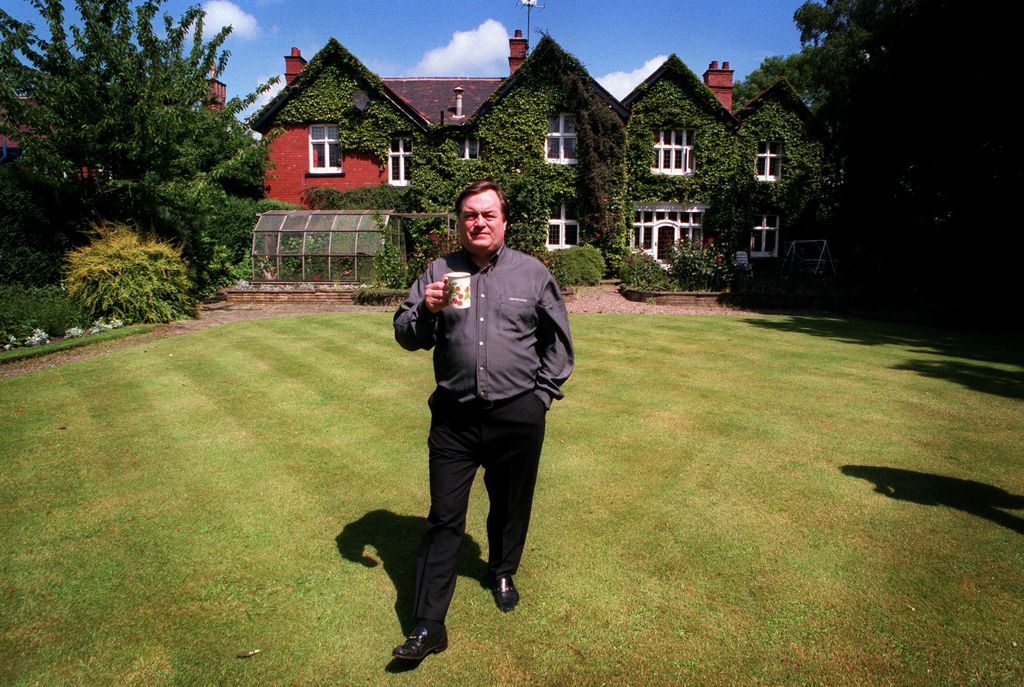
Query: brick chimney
{"type": "Point", "coordinates": [218, 92]}
{"type": "Point", "coordinates": [293, 65]}
{"type": "Point", "coordinates": [516, 51]}
{"type": "Point", "coordinates": [719, 80]}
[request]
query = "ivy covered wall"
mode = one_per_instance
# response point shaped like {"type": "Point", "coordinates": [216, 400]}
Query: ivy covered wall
{"type": "Point", "coordinates": [614, 154]}
{"type": "Point", "coordinates": [778, 114]}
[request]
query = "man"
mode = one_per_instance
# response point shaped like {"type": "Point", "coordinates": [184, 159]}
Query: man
{"type": "Point", "coordinates": [498, 365]}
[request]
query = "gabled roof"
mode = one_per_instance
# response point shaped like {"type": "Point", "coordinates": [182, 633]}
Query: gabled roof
{"type": "Point", "coordinates": [548, 53]}
{"type": "Point", "coordinates": [782, 92]}
{"type": "Point", "coordinates": [673, 67]}
{"type": "Point", "coordinates": [333, 50]}
{"type": "Point", "coordinates": [434, 97]}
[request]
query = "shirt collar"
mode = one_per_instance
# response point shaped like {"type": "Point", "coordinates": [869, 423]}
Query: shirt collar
{"type": "Point", "coordinates": [474, 268]}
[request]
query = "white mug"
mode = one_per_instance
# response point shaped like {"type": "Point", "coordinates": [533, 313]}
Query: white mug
{"type": "Point", "coordinates": [457, 289]}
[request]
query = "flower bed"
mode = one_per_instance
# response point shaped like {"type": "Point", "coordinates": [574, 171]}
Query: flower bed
{"type": "Point", "coordinates": [682, 298]}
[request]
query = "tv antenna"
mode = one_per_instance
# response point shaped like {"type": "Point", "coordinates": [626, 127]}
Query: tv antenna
{"type": "Point", "coordinates": [530, 4]}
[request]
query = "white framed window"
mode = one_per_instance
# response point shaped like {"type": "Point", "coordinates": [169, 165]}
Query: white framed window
{"type": "Point", "coordinates": [656, 228]}
{"type": "Point", "coordinates": [673, 152]}
{"type": "Point", "coordinates": [769, 161]}
{"type": "Point", "coordinates": [324, 153]}
{"type": "Point", "coordinates": [764, 239]}
{"type": "Point", "coordinates": [469, 149]}
{"type": "Point", "coordinates": [563, 227]}
{"type": "Point", "coordinates": [400, 162]}
{"type": "Point", "coordinates": [561, 140]}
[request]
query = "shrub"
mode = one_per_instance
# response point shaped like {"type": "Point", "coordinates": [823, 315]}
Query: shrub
{"type": "Point", "coordinates": [48, 308]}
{"type": "Point", "coordinates": [581, 265]}
{"type": "Point", "coordinates": [365, 198]}
{"type": "Point", "coordinates": [390, 270]}
{"type": "Point", "coordinates": [641, 271]}
{"type": "Point", "coordinates": [368, 295]}
{"type": "Point", "coordinates": [127, 277]}
{"type": "Point", "coordinates": [697, 267]}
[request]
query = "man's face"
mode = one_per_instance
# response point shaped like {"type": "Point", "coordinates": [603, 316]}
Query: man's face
{"type": "Point", "coordinates": [481, 224]}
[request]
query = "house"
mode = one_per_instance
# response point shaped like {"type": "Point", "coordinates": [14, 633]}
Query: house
{"type": "Point", "coordinates": [670, 162]}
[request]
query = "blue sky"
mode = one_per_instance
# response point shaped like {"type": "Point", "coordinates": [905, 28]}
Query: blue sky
{"type": "Point", "coordinates": [619, 43]}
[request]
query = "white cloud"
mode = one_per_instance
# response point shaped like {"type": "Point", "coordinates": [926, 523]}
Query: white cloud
{"type": "Point", "coordinates": [482, 51]}
{"type": "Point", "coordinates": [620, 84]}
{"type": "Point", "coordinates": [220, 13]}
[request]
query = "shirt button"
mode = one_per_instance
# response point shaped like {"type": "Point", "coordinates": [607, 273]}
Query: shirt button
{"type": "Point", "coordinates": [481, 319]}
{"type": "Point", "coordinates": [481, 343]}
{"type": "Point", "coordinates": [483, 295]}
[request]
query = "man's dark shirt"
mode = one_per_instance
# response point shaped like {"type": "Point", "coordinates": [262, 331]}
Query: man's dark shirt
{"type": "Point", "coordinates": [513, 338]}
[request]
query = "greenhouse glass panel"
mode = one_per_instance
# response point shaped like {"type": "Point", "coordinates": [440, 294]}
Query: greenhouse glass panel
{"type": "Point", "coordinates": [264, 268]}
{"type": "Point", "coordinates": [320, 222]}
{"type": "Point", "coordinates": [343, 243]}
{"type": "Point", "coordinates": [291, 243]}
{"type": "Point", "coordinates": [364, 269]}
{"type": "Point", "coordinates": [317, 268]}
{"type": "Point", "coordinates": [291, 268]}
{"type": "Point", "coordinates": [317, 242]}
{"type": "Point", "coordinates": [295, 221]}
{"type": "Point", "coordinates": [343, 269]}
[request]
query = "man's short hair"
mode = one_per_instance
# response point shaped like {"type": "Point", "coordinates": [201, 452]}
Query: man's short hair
{"type": "Point", "coordinates": [482, 186]}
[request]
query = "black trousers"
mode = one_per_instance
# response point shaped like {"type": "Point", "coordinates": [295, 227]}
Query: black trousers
{"type": "Point", "coordinates": [505, 439]}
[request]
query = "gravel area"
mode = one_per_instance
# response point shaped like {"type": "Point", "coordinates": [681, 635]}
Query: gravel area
{"type": "Point", "coordinates": [604, 298]}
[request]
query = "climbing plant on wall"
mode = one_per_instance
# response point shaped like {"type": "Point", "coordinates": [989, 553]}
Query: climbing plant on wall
{"type": "Point", "coordinates": [324, 92]}
{"type": "Point", "coordinates": [779, 115]}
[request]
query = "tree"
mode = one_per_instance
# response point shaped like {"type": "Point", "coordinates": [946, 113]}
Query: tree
{"type": "Point", "coordinates": [117, 113]}
{"type": "Point", "coordinates": [794, 68]}
{"type": "Point", "coordinates": [911, 95]}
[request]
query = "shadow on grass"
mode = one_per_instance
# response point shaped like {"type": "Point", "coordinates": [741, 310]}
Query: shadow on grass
{"type": "Point", "coordinates": [976, 498]}
{"type": "Point", "coordinates": [975, 348]}
{"type": "Point", "coordinates": [396, 539]}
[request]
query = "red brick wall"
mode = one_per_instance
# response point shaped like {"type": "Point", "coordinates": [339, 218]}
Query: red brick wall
{"type": "Point", "coordinates": [289, 176]}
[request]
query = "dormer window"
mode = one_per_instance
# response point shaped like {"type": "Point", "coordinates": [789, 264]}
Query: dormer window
{"type": "Point", "coordinates": [400, 162]}
{"type": "Point", "coordinates": [769, 161]}
{"type": "Point", "coordinates": [324, 153]}
{"type": "Point", "coordinates": [469, 149]}
{"type": "Point", "coordinates": [561, 140]}
{"type": "Point", "coordinates": [673, 152]}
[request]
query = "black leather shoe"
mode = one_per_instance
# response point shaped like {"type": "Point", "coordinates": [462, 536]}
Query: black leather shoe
{"type": "Point", "coordinates": [505, 593]}
{"type": "Point", "coordinates": [421, 643]}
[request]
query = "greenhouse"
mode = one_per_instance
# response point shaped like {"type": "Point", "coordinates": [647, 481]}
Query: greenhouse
{"type": "Point", "coordinates": [337, 246]}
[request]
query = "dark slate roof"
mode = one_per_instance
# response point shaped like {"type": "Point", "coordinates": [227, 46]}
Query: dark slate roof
{"type": "Point", "coordinates": [429, 96]}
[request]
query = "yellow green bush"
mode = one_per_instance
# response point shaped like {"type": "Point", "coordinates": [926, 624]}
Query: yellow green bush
{"type": "Point", "coordinates": [123, 275]}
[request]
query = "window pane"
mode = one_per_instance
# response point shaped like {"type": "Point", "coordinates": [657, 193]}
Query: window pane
{"type": "Point", "coordinates": [679, 160]}
{"type": "Point", "coordinates": [474, 149]}
{"type": "Point", "coordinates": [755, 242]}
{"type": "Point", "coordinates": [553, 235]}
{"type": "Point", "coordinates": [570, 148]}
{"type": "Point", "coordinates": [553, 149]}
{"type": "Point", "coordinates": [762, 148]}
{"type": "Point", "coordinates": [776, 165]}
{"type": "Point", "coordinates": [760, 166]}
{"type": "Point", "coordinates": [395, 145]}
{"type": "Point", "coordinates": [769, 241]}
{"type": "Point", "coordinates": [553, 125]}
{"type": "Point", "coordinates": [572, 234]}
{"type": "Point", "coordinates": [776, 148]}
{"type": "Point", "coordinates": [335, 156]}
{"type": "Point", "coordinates": [396, 169]}
{"type": "Point", "coordinates": [569, 124]}
{"type": "Point", "coordinates": [318, 155]}
{"type": "Point", "coordinates": [636, 237]}
{"type": "Point", "coordinates": [556, 212]}
{"type": "Point", "coordinates": [316, 132]}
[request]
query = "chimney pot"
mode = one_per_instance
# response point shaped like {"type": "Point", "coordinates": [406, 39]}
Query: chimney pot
{"type": "Point", "coordinates": [519, 33]}
{"type": "Point", "coordinates": [713, 65]}
{"type": "Point", "coordinates": [459, 90]}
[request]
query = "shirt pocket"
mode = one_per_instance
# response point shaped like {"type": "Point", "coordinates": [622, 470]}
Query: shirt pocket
{"type": "Point", "coordinates": [517, 316]}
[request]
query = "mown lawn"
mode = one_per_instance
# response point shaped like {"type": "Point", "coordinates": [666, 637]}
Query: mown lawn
{"type": "Point", "coordinates": [723, 501]}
